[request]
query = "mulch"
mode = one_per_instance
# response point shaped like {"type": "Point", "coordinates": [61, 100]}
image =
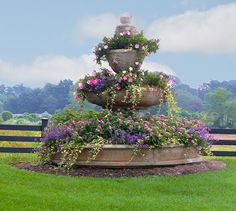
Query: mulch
{"type": "Point", "coordinates": [177, 170]}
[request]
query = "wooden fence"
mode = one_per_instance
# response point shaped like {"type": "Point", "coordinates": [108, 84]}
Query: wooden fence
{"type": "Point", "coordinates": [31, 128]}
{"type": "Point", "coordinates": [225, 136]}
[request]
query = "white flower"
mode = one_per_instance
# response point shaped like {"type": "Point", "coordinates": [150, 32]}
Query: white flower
{"type": "Point", "coordinates": [124, 71]}
{"type": "Point", "coordinates": [130, 68]}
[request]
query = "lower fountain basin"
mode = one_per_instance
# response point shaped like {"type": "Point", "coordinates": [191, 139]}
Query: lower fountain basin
{"type": "Point", "coordinates": [116, 156]}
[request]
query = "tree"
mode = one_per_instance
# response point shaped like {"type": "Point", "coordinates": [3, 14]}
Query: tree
{"type": "Point", "coordinates": [217, 104]}
{"type": "Point", "coordinates": [6, 115]}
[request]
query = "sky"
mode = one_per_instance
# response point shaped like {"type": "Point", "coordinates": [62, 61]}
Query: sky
{"type": "Point", "coordinates": [50, 40]}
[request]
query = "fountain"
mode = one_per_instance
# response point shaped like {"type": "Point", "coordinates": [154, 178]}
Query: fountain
{"type": "Point", "coordinates": [121, 137]}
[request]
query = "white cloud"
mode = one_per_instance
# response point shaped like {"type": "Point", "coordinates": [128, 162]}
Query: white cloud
{"type": "Point", "coordinates": [46, 69]}
{"type": "Point", "coordinates": [211, 31]}
{"type": "Point", "coordinates": [52, 69]}
{"type": "Point", "coordinates": [96, 26]}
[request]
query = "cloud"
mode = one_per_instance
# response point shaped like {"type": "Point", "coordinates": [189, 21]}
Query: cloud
{"type": "Point", "coordinates": [210, 31]}
{"type": "Point", "coordinates": [96, 27]}
{"type": "Point", "coordinates": [52, 69]}
{"type": "Point", "coordinates": [46, 69]}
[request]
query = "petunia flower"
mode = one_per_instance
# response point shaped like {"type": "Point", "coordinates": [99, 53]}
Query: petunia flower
{"type": "Point", "coordinates": [136, 46]}
{"type": "Point", "coordinates": [109, 71]}
{"type": "Point", "coordinates": [76, 97]}
{"type": "Point", "coordinates": [170, 82]}
{"type": "Point", "coordinates": [81, 85]}
{"type": "Point", "coordinates": [118, 88]}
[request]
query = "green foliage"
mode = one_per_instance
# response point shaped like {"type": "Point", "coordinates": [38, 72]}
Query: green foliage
{"type": "Point", "coordinates": [67, 114]}
{"type": "Point", "coordinates": [49, 98]}
{"type": "Point", "coordinates": [188, 101]}
{"type": "Point", "coordinates": [220, 108]}
{"type": "Point", "coordinates": [126, 41]}
{"type": "Point", "coordinates": [154, 79]}
{"type": "Point", "coordinates": [6, 115]}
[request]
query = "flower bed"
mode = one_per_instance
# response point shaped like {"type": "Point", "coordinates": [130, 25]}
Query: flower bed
{"type": "Point", "coordinates": [72, 132]}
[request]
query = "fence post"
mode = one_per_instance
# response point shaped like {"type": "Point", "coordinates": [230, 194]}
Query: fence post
{"type": "Point", "coordinates": [44, 123]}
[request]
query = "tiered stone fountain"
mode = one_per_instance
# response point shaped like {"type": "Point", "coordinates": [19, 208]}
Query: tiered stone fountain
{"type": "Point", "coordinates": [122, 155]}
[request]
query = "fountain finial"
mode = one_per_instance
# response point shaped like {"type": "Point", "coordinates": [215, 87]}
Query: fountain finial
{"type": "Point", "coordinates": [124, 27]}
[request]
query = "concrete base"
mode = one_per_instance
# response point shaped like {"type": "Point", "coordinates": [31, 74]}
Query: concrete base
{"type": "Point", "coordinates": [122, 156]}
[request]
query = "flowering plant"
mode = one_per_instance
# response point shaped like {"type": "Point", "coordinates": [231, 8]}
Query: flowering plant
{"type": "Point", "coordinates": [96, 129]}
{"type": "Point", "coordinates": [109, 81]}
{"type": "Point", "coordinates": [125, 40]}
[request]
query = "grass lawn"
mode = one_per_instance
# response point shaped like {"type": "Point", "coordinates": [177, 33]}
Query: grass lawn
{"type": "Point", "coordinates": [22, 190]}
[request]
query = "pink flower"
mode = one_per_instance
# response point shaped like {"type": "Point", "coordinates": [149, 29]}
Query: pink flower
{"type": "Point", "coordinates": [170, 82]}
{"type": "Point", "coordinates": [136, 46]}
{"type": "Point", "coordinates": [76, 98]}
{"type": "Point", "coordinates": [161, 76]}
{"type": "Point", "coordinates": [120, 79]}
{"type": "Point", "coordinates": [81, 85]}
{"type": "Point", "coordinates": [128, 32]}
{"type": "Point", "coordinates": [130, 80]}
{"type": "Point", "coordinates": [90, 82]}
{"type": "Point", "coordinates": [118, 88]}
{"type": "Point", "coordinates": [137, 63]}
{"type": "Point", "coordinates": [109, 71]}
{"type": "Point", "coordinates": [124, 78]}
{"type": "Point", "coordinates": [121, 33]}
{"type": "Point", "coordinates": [105, 46]}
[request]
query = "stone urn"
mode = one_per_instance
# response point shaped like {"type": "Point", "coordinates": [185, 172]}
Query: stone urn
{"type": "Point", "coordinates": [150, 96]}
{"type": "Point", "coordinates": [120, 156]}
{"type": "Point", "coordinates": [123, 59]}
{"type": "Point", "coordinates": [125, 26]}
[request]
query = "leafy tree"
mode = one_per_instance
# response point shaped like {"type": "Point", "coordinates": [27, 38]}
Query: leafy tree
{"type": "Point", "coordinates": [6, 115]}
{"type": "Point", "coordinates": [188, 101]}
{"type": "Point", "coordinates": [217, 105]}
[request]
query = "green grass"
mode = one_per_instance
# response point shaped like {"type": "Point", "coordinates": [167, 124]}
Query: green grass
{"type": "Point", "coordinates": [223, 148]}
{"type": "Point", "coordinates": [22, 190]}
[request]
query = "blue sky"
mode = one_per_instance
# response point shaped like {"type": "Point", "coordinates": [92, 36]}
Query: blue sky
{"type": "Point", "coordinates": [48, 40]}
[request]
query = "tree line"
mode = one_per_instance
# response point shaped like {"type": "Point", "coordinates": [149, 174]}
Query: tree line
{"type": "Point", "coordinates": [213, 102]}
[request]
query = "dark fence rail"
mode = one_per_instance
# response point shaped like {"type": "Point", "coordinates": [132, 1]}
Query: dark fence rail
{"type": "Point", "coordinates": [32, 128]}
{"type": "Point", "coordinates": [41, 128]}
{"type": "Point", "coordinates": [225, 142]}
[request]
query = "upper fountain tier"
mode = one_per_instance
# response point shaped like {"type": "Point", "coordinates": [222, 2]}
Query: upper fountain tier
{"type": "Point", "coordinates": [125, 26]}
